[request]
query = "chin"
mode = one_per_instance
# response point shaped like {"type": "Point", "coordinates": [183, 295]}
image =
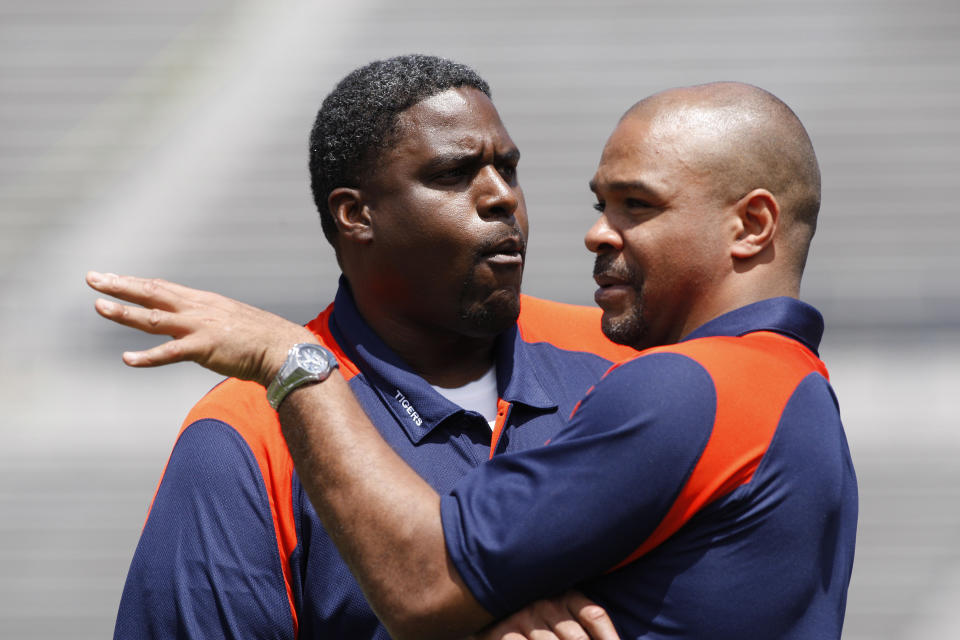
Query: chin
{"type": "Point", "coordinates": [493, 315]}
{"type": "Point", "coordinates": [629, 329]}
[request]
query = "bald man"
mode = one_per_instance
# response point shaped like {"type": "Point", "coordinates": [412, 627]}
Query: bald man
{"type": "Point", "coordinates": [701, 490]}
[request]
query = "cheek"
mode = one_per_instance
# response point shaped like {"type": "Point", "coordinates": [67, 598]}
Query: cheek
{"type": "Point", "coordinates": [661, 261]}
{"type": "Point", "coordinates": [689, 263]}
{"type": "Point", "coordinates": [424, 226]}
{"type": "Point", "coordinates": [451, 238]}
{"type": "Point", "coordinates": [643, 248]}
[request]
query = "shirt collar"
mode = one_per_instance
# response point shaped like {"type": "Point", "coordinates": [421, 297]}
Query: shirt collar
{"type": "Point", "coordinates": [518, 376]}
{"type": "Point", "coordinates": [787, 316]}
{"type": "Point", "coordinates": [417, 407]}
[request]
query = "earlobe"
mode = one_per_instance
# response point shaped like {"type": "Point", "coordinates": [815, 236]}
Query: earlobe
{"type": "Point", "coordinates": [758, 216]}
{"type": "Point", "coordinates": [351, 214]}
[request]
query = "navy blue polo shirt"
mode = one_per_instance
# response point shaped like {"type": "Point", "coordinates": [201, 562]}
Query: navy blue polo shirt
{"type": "Point", "coordinates": [701, 490]}
{"type": "Point", "coordinates": [232, 547]}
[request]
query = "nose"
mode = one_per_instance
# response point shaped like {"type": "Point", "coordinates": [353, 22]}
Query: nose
{"type": "Point", "coordinates": [499, 199]}
{"type": "Point", "coordinates": [601, 237]}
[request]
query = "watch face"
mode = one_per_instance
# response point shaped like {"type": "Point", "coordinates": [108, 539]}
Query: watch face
{"type": "Point", "coordinates": [313, 359]}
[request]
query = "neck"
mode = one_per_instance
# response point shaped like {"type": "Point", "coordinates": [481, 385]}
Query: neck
{"type": "Point", "coordinates": [440, 356]}
{"type": "Point", "coordinates": [739, 292]}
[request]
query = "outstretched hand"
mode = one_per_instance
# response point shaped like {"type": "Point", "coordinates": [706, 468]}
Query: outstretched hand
{"type": "Point", "coordinates": [241, 341]}
{"type": "Point", "coordinates": [221, 334]}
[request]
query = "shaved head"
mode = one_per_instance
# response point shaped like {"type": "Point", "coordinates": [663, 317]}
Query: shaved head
{"type": "Point", "coordinates": [708, 200]}
{"type": "Point", "coordinates": [742, 138]}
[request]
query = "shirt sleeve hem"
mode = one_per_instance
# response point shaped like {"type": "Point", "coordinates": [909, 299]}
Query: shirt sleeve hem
{"type": "Point", "coordinates": [456, 548]}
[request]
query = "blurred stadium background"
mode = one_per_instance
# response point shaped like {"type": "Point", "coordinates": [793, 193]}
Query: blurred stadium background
{"type": "Point", "coordinates": [169, 139]}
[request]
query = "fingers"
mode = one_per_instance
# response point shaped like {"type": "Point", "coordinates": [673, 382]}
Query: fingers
{"type": "Point", "coordinates": [591, 616]}
{"type": "Point", "coordinates": [554, 615]}
{"type": "Point", "coordinates": [166, 353]}
{"type": "Point", "coordinates": [221, 334]}
{"type": "Point", "coordinates": [510, 630]}
{"type": "Point", "coordinates": [522, 625]}
{"type": "Point", "coordinates": [155, 321]}
{"type": "Point", "coordinates": [570, 616]}
{"type": "Point", "coordinates": [151, 321]}
{"type": "Point", "coordinates": [496, 634]}
{"type": "Point", "coordinates": [149, 292]}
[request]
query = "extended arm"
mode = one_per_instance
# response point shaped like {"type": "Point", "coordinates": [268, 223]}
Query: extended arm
{"type": "Point", "coordinates": [384, 518]}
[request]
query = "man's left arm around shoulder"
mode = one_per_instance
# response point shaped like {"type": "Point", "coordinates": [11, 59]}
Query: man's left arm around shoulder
{"type": "Point", "coordinates": [383, 517]}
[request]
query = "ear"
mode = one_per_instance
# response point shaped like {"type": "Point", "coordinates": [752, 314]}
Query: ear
{"type": "Point", "coordinates": [757, 219]}
{"type": "Point", "coordinates": [351, 214]}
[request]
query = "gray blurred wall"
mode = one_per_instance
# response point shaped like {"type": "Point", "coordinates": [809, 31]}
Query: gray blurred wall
{"type": "Point", "coordinates": [169, 139]}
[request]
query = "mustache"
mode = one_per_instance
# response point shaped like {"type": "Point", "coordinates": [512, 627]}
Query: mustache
{"type": "Point", "coordinates": [510, 240]}
{"type": "Point", "coordinates": [607, 265]}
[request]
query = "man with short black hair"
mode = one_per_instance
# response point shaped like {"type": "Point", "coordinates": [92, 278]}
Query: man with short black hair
{"type": "Point", "coordinates": [415, 180]}
{"type": "Point", "coordinates": [358, 120]}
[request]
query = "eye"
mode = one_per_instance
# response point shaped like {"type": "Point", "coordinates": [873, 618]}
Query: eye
{"type": "Point", "coordinates": [599, 206]}
{"type": "Point", "coordinates": [636, 203]}
{"type": "Point", "coordinates": [508, 171]}
{"type": "Point", "coordinates": [452, 175]}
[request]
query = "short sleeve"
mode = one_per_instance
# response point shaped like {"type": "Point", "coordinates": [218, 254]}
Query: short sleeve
{"type": "Point", "coordinates": [529, 524]}
{"type": "Point", "coordinates": [207, 564]}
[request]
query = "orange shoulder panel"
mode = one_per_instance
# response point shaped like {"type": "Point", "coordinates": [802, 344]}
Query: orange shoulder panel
{"type": "Point", "coordinates": [754, 376]}
{"type": "Point", "coordinates": [243, 405]}
{"type": "Point", "coordinates": [569, 327]}
{"type": "Point", "coordinates": [320, 326]}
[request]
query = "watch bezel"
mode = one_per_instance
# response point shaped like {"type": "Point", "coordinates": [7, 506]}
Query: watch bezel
{"type": "Point", "coordinates": [298, 370]}
{"type": "Point", "coordinates": [308, 363]}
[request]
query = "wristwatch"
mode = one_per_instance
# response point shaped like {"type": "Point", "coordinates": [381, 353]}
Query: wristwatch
{"type": "Point", "coordinates": [306, 363]}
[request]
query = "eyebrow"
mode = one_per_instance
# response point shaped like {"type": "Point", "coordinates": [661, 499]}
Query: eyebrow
{"type": "Point", "coordinates": [624, 185]}
{"type": "Point", "coordinates": [448, 158]}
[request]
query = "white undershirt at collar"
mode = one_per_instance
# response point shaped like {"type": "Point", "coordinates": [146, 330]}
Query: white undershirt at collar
{"type": "Point", "coordinates": [480, 395]}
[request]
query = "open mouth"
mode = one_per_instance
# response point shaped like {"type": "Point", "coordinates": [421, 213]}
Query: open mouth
{"type": "Point", "coordinates": [506, 258]}
{"type": "Point", "coordinates": [507, 252]}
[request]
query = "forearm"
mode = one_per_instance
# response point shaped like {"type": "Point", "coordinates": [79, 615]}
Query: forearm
{"type": "Point", "coordinates": [383, 517]}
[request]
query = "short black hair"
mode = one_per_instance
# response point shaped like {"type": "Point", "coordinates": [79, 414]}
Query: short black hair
{"type": "Point", "coordinates": [356, 122]}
